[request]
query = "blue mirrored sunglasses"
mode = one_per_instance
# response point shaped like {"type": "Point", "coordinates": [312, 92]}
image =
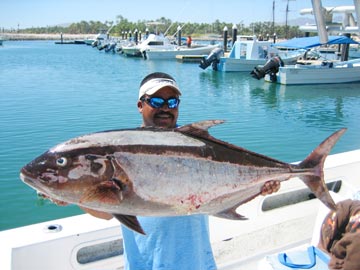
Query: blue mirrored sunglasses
{"type": "Point", "coordinates": [158, 102]}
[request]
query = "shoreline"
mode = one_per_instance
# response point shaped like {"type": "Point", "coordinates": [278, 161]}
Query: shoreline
{"type": "Point", "coordinates": [21, 36]}
{"type": "Point", "coordinates": [68, 37]}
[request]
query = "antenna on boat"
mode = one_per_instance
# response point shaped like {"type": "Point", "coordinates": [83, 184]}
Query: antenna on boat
{"type": "Point", "coordinates": [273, 17]}
{"type": "Point", "coordinates": [178, 29]}
{"type": "Point", "coordinates": [180, 13]}
{"type": "Point", "coordinates": [108, 31]}
{"type": "Point", "coordinates": [286, 18]}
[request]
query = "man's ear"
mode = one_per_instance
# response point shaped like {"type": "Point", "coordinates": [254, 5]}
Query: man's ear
{"type": "Point", "coordinates": [140, 106]}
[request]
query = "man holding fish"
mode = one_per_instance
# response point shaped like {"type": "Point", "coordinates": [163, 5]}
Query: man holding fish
{"type": "Point", "coordinates": [162, 180]}
{"type": "Point", "coordinates": [179, 242]}
{"type": "Point", "coordinates": [170, 243]}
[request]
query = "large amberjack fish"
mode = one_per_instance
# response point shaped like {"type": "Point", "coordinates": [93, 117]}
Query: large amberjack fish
{"type": "Point", "coordinates": [165, 172]}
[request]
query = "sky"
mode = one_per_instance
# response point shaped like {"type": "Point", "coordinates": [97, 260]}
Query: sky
{"type": "Point", "coordinates": [41, 13]}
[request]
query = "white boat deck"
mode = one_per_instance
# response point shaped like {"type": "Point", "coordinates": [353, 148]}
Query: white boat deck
{"type": "Point", "coordinates": [277, 222]}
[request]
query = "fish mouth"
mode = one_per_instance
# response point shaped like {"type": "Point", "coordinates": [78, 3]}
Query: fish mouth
{"type": "Point", "coordinates": [25, 178]}
{"type": "Point", "coordinates": [32, 182]}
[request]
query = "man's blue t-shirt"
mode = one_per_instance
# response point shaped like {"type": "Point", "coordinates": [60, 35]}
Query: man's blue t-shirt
{"type": "Point", "coordinates": [170, 243]}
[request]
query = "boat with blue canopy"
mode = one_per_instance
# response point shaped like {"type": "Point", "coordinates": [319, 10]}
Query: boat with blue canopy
{"type": "Point", "coordinates": [320, 72]}
{"type": "Point", "coordinates": [311, 42]}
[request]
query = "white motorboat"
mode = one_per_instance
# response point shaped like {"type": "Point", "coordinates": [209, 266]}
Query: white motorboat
{"type": "Point", "coordinates": [247, 53]}
{"type": "Point", "coordinates": [171, 53]}
{"type": "Point", "coordinates": [326, 51]}
{"type": "Point", "coordinates": [322, 73]}
{"type": "Point", "coordinates": [279, 221]}
{"type": "Point", "coordinates": [99, 38]}
{"type": "Point", "coordinates": [151, 42]}
{"type": "Point", "coordinates": [318, 72]}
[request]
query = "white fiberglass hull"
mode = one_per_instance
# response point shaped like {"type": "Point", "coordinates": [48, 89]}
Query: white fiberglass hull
{"type": "Point", "coordinates": [233, 64]}
{"type": "Point", "coordinates": [153, 54]}
{"type": "Point", "coordinates": [319, 74]}
{"type": "Point", "coordinates": [228, 64]}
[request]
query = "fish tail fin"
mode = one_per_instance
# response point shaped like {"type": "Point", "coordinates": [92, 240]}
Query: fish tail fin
{"type": "Point", "coordinates": [315, 161]}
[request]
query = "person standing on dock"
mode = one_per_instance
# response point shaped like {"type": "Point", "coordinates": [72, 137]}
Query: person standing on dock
{"type": "Point", "coordinates": [188, 41]}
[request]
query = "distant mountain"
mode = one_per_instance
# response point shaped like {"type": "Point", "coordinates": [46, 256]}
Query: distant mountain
{"type": "Point", "coordinates": [306, 20]}
{"type": "Point", "coordinates": [300, 21]}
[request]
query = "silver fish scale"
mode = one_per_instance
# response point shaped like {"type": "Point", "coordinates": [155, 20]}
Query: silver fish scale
{"type": "Point", "coordinates": [198, 181]}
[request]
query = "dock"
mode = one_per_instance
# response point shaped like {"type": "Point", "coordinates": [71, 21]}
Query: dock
{"type": "Point", "coordinates": [70, 42]}
{"type": "Point", "coordinates": [190, 58]}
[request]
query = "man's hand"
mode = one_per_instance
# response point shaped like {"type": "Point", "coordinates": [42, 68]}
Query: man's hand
{"type": "Point", "coordinates": [270, 187]}
{"type": "Point", "coordinates": [57, 202]}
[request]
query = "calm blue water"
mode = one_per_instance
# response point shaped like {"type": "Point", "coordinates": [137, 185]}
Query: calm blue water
{"type": "Point", "coordinates": [50, 93]}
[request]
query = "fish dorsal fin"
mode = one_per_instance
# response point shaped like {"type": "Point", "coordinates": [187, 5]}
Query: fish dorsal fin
{"type": "Point", "coordinates": [199, 128]}
{"type": "Point", "coordinates": [131, 222]}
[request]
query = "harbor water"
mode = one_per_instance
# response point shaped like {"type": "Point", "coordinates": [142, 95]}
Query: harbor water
{"type": "Point", "coordinates": [51, 93]}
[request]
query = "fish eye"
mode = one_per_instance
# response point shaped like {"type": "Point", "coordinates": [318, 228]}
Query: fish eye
{"type": "Point", "coordinates": [61, 162]}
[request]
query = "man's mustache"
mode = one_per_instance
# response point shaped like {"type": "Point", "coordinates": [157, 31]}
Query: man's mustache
{"type": "Point", "coordinates": [164, 113]}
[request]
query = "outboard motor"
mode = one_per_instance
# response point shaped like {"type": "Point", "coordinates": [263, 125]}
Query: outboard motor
{"type": "Point", "coordinates": [102, 46]}
{"type": "Point", "coordinates": [213, 58]}
{"type": "Point", "coordinates": [271, 67]}
{"type": "Point", "coordinates": [110, 47]}
{"type": "Point", "coordinates": [95, 43]}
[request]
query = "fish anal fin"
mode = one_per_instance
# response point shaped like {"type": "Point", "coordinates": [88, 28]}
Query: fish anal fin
{"type": "Point", "coordinates": [106, 192]}
{"type": "Point", "coordinates": [131, 222]}
{"type": "Point", "coordinates": [230, 214]}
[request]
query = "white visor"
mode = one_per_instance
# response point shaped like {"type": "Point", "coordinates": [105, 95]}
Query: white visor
{"type": "Point", "coordinates": [154, 85]}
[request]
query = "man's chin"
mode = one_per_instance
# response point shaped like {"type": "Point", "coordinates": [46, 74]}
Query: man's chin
{"type": "Point", "coordinates": [165, 122]}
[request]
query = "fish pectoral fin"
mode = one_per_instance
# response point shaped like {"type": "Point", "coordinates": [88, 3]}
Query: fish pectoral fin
{"type": "Point", "coordinates": [106, 192]}
{"type": "Point", "coordinates": [230, 214]}
{"type": "Point", "coordinates": [131, 222]}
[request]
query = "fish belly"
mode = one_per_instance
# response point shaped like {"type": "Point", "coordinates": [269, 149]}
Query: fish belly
{"type": "Point", "coordinates": [192, 184]}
